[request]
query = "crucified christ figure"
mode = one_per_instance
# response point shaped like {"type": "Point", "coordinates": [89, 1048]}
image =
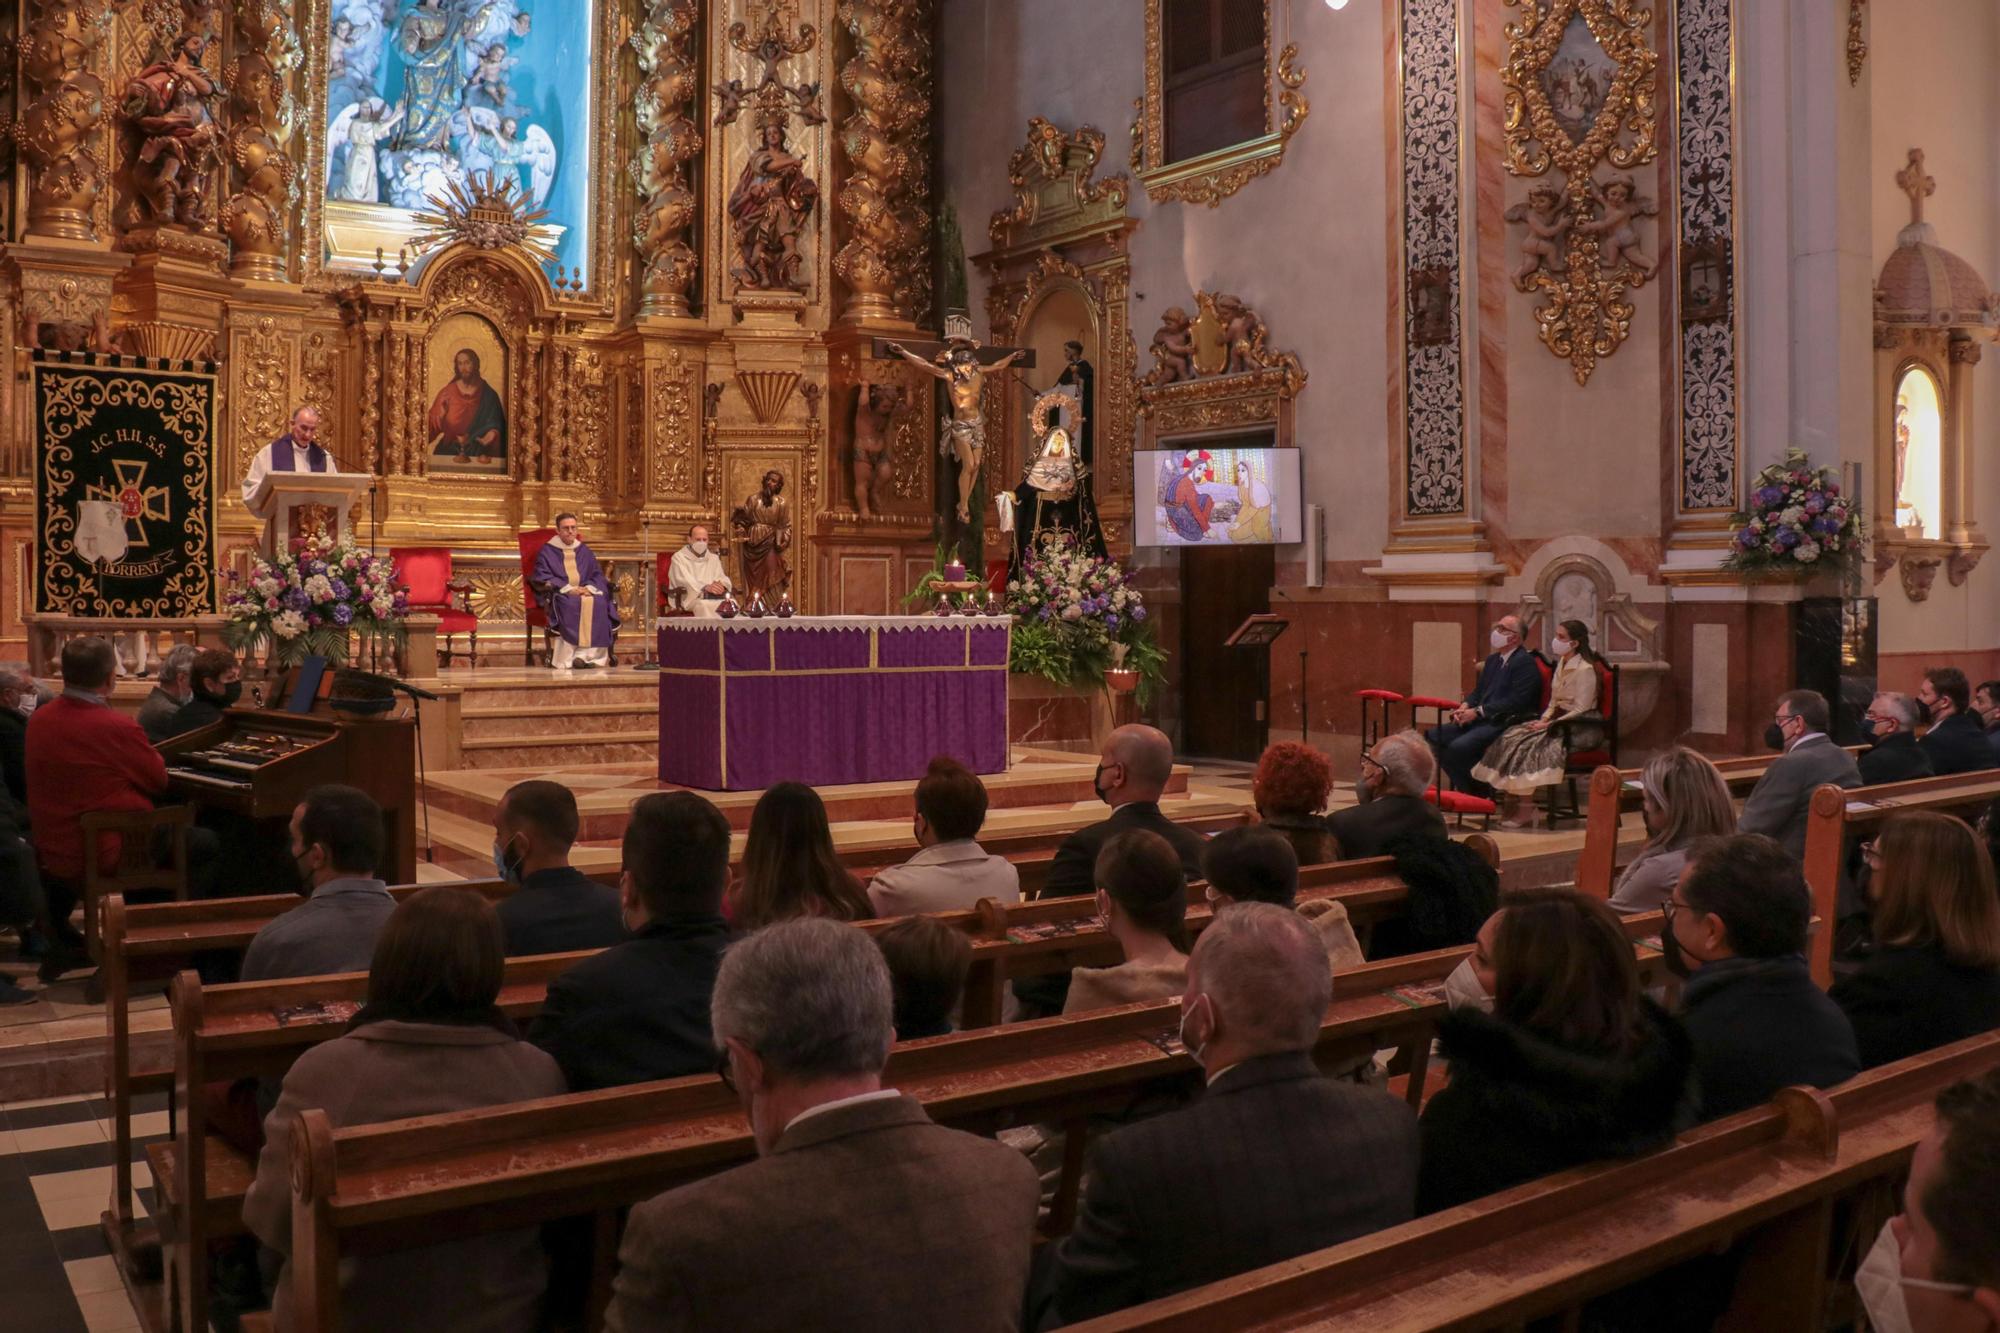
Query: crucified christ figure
{"type": "Point", "coordinates": [964, 436]}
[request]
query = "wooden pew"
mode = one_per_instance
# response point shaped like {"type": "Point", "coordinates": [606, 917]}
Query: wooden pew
{"type": "Point", "coordinates": [1771, 1181]}
{"type": "Point", "coordinates": [1836, 811]}
{"type": "Point", "coordinates": [1613, 791]}
{"type": "Point", "coordinates": [391, 1185]}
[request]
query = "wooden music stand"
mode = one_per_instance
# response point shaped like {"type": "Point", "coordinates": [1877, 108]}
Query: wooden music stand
{"type": "Point", "coordinates": [1261, 631]}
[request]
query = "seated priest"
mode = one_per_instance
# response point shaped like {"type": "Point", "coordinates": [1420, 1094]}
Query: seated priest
{"type": "Point", "coordinates": [576, 597]}
{"type": "Point", "coordinates": [696, 570]}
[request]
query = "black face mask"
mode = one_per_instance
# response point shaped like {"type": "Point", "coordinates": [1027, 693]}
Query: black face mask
{"type": "Point", "coordinates": [1097, 784]}
{"type": "Point", "coordinates": [1774, 737]}
{"type": "Point", "coordinates": [230, 694]}
{"type": "Point", "coordinates": [1677, 960]}
{"type": "Point", "coordinates": [1929, 710]}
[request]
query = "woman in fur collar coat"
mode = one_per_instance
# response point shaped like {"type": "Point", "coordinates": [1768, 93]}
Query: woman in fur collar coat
{"type": "Point", "coordinates": [1573, 1064]}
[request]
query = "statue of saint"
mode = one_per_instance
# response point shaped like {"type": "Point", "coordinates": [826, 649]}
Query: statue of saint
{"type": "Point", "coordinates": [768, 211]}
{"type": "Point", "coordinates": [763, 527]}
{"type": "Point", "coordinates": [167, 102]}
{"type": "Point", "coordinates": [875, 411]}
{"type": "Point", "coordinates": [964, 431]}
{"type": "Point", "coordinates": [431, 36]}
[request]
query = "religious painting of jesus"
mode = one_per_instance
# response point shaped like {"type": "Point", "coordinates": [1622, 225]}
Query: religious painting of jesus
{"type": "Point", "coordinates": [465, 430]}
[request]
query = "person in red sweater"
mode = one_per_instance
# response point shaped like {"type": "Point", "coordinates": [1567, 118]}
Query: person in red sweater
{"type": "Point", "coordinates": [83, 756]}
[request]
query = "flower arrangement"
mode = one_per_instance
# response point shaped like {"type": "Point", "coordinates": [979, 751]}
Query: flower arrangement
{"type": "Point", "coordinates": [308, 600]}
{"type": "Point", "coordinates": [1077, 616]}
{"type": "Point", "coordinates": [1797, 522]}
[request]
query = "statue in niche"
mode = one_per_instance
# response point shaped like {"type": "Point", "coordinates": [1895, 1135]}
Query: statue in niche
{"type": "Point", "coordinates": [763, 527]}
{"type": "Point", "coordinates": [1622, 203]}
{"type": "Point", "coordinates": [1574, 597]}
{"type": "Point", "coordinates": [361, 127]}
{"type": "Point", "coordinates": [1548, 222]}
{"type": "Point", "coordinates": [768, 211]}
{"type": "Point", "coordinates": [168, 103]}
{"type": "Point", "coordinates": [875, 409]}
{"type": "Point", "coordinates": [1173, 348]}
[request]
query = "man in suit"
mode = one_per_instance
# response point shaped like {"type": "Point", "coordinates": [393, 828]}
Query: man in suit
{"type": "Point", "coordinates": [1274, 1160]}
{"type": "Point", "coordinates": [555, 908]}
{"type": "Point", "coordinates": [1779, 802]}
{"type": "Point", "coordinates": [1986, 706]}
{"type": "Point", "coordinates": [1509, 691]}
{"type": "Point", "coordinates": [1895, 756]}
{"type": "Point", "coordinates": [1394, 776]}
{"type": "Point", "coordinates": [859, 1212]}
{"type": "Point", "coordinates": [337, 845]}
{"type": "Point", "coordinates": [1956, 743]}
{"type": "Point", "coordinates": [639, 1010]}
{"type": "Point", "coordinates": [951, 871]}
{"type": "Point", "coordinates": [1736, 929]}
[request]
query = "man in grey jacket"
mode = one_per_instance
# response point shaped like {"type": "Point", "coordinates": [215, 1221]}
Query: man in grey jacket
{"type": "Point", "coordinates": [1779, 803]}
{"type": "Point", "coordinates": [337, 843]}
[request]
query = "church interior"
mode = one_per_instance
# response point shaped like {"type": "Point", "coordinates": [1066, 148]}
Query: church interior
{"type": "Point", "coordinates": [719, 396]}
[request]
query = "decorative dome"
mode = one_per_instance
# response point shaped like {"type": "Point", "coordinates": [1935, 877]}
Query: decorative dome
{"type": "Point", "coordinates": [1923, 283]}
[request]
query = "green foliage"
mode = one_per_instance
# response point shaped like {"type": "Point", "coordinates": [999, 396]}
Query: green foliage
{"type": "Point", "coordinates": [920, 597]}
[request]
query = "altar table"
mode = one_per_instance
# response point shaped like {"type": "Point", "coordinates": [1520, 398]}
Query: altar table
{"type": "Point", "coordinates": [827, 700]}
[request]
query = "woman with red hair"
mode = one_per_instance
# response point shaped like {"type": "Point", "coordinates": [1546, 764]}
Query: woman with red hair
{"type": "Point", "coordinates": [1291, 787]}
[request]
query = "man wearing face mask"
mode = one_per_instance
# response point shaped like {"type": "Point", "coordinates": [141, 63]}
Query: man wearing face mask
{"type": "Point", "coordinates": [159, 716]}
{"type": "Point", "coordinates": [555, 908]}
{"type": "Point", "coordinates": [1935, 1268]}
{"type": "Point", "coordinates": [639, 1010]}
{"type": "Point", "coordinates": [1509, 691]}
{"type": "Point", "coordinates": [1780, 801]}
{"type": "Point", "coordinates": [1986, 708]}
{"type": "Point", "coordinates": [951, 872]}
{"type": "Point", "coordinates": [696, 572]}
{"type": "Point", "coordinates": [1956, 743]}
{"type": "Point", "coordinates": [798, 1238]}
{"type": "Point", "coordinates": [215, 682]}
{"type": "Point", "coordinates": [17, 704]}
{"type": "Point", "coordinates": [1394, 776]}
{"type": "Point", "coordinates": [1894, 756]}
{"type": "Point", "coordinates": [336, 843]}
{"type": "Point", "coordinates": [1273, 1161]}
{"type": "Point", "coordinates": [1736, 929]}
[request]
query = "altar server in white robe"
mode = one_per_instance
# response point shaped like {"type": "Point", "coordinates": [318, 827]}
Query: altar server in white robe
{"type": "Point", "coordinates": [697, 572]}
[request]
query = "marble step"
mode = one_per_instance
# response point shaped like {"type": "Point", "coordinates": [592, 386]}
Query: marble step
{"type": "Point", "coordinates": [576, 720]}
{"type": "Point", "coordinates": [580, 688]}
{"type": "Point", "coordinates": [517, 750]}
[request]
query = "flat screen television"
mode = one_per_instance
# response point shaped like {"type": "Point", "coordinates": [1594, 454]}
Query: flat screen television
{"type": "Point", "coordinates": [1216, 497]}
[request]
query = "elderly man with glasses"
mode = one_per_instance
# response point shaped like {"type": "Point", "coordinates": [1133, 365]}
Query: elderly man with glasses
{"type": "Point", "coordinates": [1894, 756]}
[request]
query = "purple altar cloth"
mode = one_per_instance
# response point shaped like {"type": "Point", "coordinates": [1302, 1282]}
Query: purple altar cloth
{"type": "Point", "coordinates": [829, 700]}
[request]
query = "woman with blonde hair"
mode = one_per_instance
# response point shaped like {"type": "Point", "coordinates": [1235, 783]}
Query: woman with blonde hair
{"type": "Point", "coordinates": [1933, 976]}
{"type": "Point", "coordinates": [1682, 799]}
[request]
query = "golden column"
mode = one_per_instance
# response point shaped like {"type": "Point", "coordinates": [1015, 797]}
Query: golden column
{"type": "Point", "coordinates": [257, 216]}
{"type": "Point", "coordinates": [55, 129]}
{"type": "Point", "coordinates": [665, 45]}
{"type": "Point", "coordinates": [885, 198]}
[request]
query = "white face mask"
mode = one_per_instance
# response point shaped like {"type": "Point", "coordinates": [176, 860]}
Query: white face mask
{"type": "Point", "coordinates": [699, 548]}
{"type": "Point", "coordinates": [28, 702]}
{"type": "Point", "coordinates": [1462, 989]}
{"type": "Point", "coordinates": [1192, 1049]}
{"type": "Point", "coordinates": [1879, 1284]}
{"type": "Point", "coordinates": [1563, 647]}
{"type": "Point", "coordinates": [1499, 640]}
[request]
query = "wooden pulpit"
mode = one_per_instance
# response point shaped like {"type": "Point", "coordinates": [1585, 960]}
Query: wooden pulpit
{"type": "Point", "coordinates": [309, 504]}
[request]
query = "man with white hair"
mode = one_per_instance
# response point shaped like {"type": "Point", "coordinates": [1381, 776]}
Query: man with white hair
{"type": "Point", "coordinates": [1273, 1161]}
{"type": "Point", "coordinates": [297, 450]}
{"type": "Point", "coordinates": [170, 694]}
{"type": "Point", "coordinates": [1894, 756]}
{"type": "Point", "coordinates": [859, 1211]}
{"type": "Point", "coordinates": [1394, 777]}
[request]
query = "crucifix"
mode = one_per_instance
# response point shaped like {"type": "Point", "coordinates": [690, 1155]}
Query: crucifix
{"type": "Point", "coordinates": [963, 366]}
{"type": "Point", "coordinates": [1916, 184]}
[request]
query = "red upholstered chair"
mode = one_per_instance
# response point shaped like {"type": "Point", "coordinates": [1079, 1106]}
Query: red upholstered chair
{"type": "Point", "coordinates": [996, 577]}
{"type": "Point", "coordinates": [667, 601]}
{"type": "Point", "coordinates": [533, 617]}
{"type": "Point", "coordinates": [424, 575]}
{"type": "Point", "coordinates": [1374, 724]}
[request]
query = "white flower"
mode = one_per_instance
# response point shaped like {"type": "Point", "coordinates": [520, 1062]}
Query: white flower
{"type": "Point", "coordinates": [288, 625]}
{"type": "Point", "coordinates": [1805, 552]}
{"type": "Point", "coordinates": [383, 605]}
{"type": "Point", "coordinates": [1072, 612]}
{"type": "Point", "coordinates": [267, 587]}
{"type": "Point", "coordinates": [319, 588]}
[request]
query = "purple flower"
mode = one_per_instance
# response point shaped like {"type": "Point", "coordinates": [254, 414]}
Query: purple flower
{"type": "Point", "coordinates": [314, 620]}
{"type": "Point", "coordinates": [312, 567]}
{"type": "Point", "coordinates": [343, 615]}
{"type": "Point", "coordinates": [1826, 524]}
{"type": "Point", "coordinates": [1769, 495]}
{"type": "Point", "coordinates": [1111, 623]}
{"type": "Point", "coordinates": [1042, 614]}
{"type": "Point", "coordinates": [1815, 503]}
{"type": "Point", "coordinates": [340, 590]}
{"type": "Point", "coordinates": [1138, 613]}
{"type": "Point", "coordinates": [1747, 540]}
{"type": "Point", "coordinates": [1786, 539]}
{"type": "Point", "coordinates": [296, 599]}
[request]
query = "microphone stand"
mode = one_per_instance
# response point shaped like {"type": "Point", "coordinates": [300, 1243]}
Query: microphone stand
{"type": "Point", "coordinates": [416, 692]}
{"type": "Point", "coordinates": [649, 587]}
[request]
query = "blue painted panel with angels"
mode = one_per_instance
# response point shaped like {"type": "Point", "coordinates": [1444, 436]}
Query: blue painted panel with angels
{"type": "Point", "coordinates": [422, 92]}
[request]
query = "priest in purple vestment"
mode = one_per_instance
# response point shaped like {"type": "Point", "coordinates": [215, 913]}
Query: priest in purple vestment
{"type": "Point", "coordinates": [297, 450]}
{"type": "Point", "coordinates": [574, 594]}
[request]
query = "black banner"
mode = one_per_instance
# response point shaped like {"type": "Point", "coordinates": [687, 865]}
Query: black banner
{"type": "Point", "coordinates": [124, 485]}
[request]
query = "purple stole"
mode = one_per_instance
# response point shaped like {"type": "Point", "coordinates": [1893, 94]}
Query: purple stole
{"type": "Point", "coordinates": [283, 456]}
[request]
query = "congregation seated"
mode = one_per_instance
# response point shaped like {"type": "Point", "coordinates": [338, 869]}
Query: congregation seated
{"type": "Point", "coordinates": [1932, 975]}
{"type": "Point", "coordinates": [1736, 930]}
{"type": "Point", "coordinates": [639, 1010]}
{"type": "Point", "coordinates": [1893, 754]}
{"type": "Point", "coordinates": [22, 904]}
{"type": "Point", "coordinates": [1682, 800]}
{"type": "Point", "coordinates": [1573, 1064]}
{"type": "Point", "coordinates": [1273, 1160]}
{"type": "Point", "coordinates": [789, 866]}
{"type": "Point", "coordinates": [1508, 691]}
{"type": "Point", "coordinates": [1957, 741]}
{"type": "Point", "coordinates": [1986, 707]}
{"type": "Point", "coordinates": [215, 682]}
{"type": "Point", "coordinates": [336, 844]}
{"type": "Point", "coordinates": [1395, 773]}
{"type": "Point", "coordinates": [1452, 893]}
{"type": "Point", "coordinates": [555, 908]}
{"type": "Point", "coordinates": [1292, 785]}
{"type": "Point", "coordinates": [928, 963]}
{"type": "Point", "coordinates": [1142, 898]}
{"type": "Point", "coordinates": [1935, 1267]}
{"type": "Point", "coordinates": [858, 1211]}
{"type": "Point", "coordinates": [430, 1039]}
{"type": "Point", "coordinates": [950, 871]}
{"type": "Point", "coordinates": [1133, 770]}
{"type": "Point", "coordinates": [1253, 864]}
{"type": "Point", "coordinates": [1778, 805]}
{"type": "Point", "coordinates": [18, 700]}
{"type": "Point", "coordinates": [1534, 754]}
{"type": "Point", "coordinates": [159, 716]}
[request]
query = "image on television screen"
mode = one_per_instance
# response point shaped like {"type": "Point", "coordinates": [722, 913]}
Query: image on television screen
{"type": "Point", "coordinates": [1216, 497]}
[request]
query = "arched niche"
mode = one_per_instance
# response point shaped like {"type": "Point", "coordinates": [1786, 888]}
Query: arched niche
{"type": "Point", "coordinates": [1918, 442]}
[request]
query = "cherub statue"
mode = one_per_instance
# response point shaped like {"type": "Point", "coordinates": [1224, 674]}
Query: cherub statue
{"type": "Point", "coordinates": [1622, 203]}
{"type": "Point", "coordinates": [1173, 349]}
{"type": "Point", "coordinates": [1242, 333]}
{"type": "Point", "coordinates": [1547, 223]}
{"type": "Point", "coordinates": [489, 77]}
{"type": "Point", "coordinates": [875, 409]}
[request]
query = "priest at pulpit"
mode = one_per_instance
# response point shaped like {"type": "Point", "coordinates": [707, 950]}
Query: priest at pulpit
{"type": "Point", "coordinates": [297, 450]}
{"type": "Point", "coordinates": [576, 597]}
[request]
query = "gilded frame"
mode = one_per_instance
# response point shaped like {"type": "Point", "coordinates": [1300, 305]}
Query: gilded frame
{"type": "Point", "coordinates": [607, 260]}
{"type": "Point", "coordinates": [1214, 176]}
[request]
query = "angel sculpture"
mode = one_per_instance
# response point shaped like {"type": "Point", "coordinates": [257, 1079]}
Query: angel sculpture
{"type": "Point", "coordinates": [1173, 349]}
{"type": "Point", "coordinates": [488, 80]}
{"type": "Point", "coordinates": [488, 140]}
{"type": "Point", "coordinates": [361, 127]}
{"type": "Point", "coordinates": [1547, 224]}
{"type": "Point", "coordinates": [420, 175]}
{"type": "Point", "coordinates": [1622, 203]}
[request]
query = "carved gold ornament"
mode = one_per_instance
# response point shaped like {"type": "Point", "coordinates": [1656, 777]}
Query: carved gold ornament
{"type": "Point", "coordinates": [256, 216]}
{"type": "Point", "coordinates": [489, 212]}
{"type": "Point", "coordinates": [670, 140]}
{"type": "Point", "coordinates": [1213, 177]}
{"type": "Point", "coordinates": [885, 200]}
{"type": "Point", "coordinates": [1580, 78]}
{"type": "Point", "coordinates": [64, 105]}
{"type": "Point", "coordinates": [1857, 45]}
{"type": "Point", "coordinates": [1054, 195]}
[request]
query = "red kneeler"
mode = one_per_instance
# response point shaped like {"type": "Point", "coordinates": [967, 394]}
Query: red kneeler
{"type": "Point", "coordinates": [424, 574]}
{"type": "Point", "coordinates": [533, 618]}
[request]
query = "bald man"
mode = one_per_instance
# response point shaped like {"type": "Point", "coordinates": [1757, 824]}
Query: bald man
{"type": "Point", "coordinates": [1509, 691]}
{"type": "Point", "coordinates": [1274, 1161]}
